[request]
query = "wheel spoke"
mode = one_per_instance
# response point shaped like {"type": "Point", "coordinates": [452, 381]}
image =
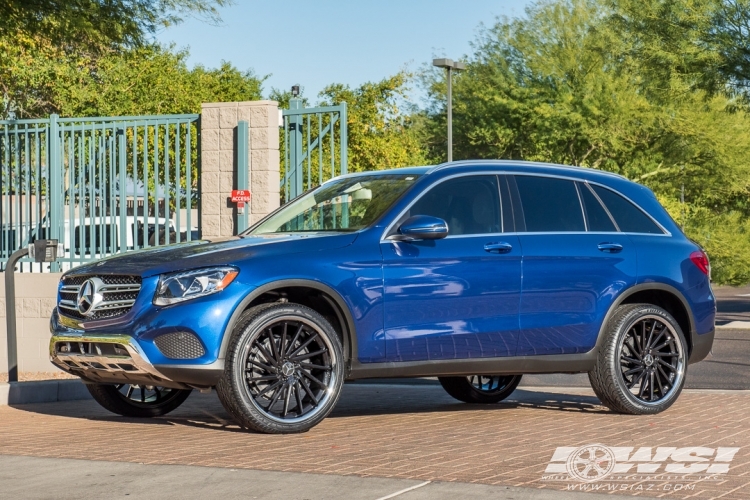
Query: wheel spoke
{"type": "Point", "coordinates": [633, 371]}
{"type": "Point", "coordinates": [631, 361]}
{"type": "Point", "coordinates": [275, 398]}
{"type": "Point", "coordinates": [143, 394]}
{"type": "Point", "coordinates": [130, 391]}
{"type": "Point", "coordinates": [304, 344]}
{"type": "Point", "coordinates": [634, 381]}
{"type": "Point", "coordinates": [658, 337]}
{"type": "Point", "coordinates": [268, 388]}
{"type": "Point", "coordinates": [158, 394]}
{"type": "Point", "coordinates": [286, 400]}
{"type": "Point", "coordinates": [308, 355]}
{"type": "Point", "coordinates": [300, 328]}
{"type": "Point", "coordinates": [667, 378]}
{"type": "Point", "coordinates": [282, 343]}
{"type": "Point", "coordinates": [275, 351]}
{"type": "Point", "coordinates": [310, 366]}
{"type": "Point", "coordinates": [298, 397]}
{"type": "Point", "coordinates": [309, 392]}
{"type": "Point", "coordinates": [262, 366]}
{"type": "Point", "coordinates": [651, 385]}
{"type": "Point", "coordinates": [270, 359]}
{"type": "Point", "coordinates": [312, 378]}
{"type": "Point", "coordinates": [666, 354]}
{"type": "Point", "coordinates": [658, 380]}
{"type": "Point", "coordinates": [650, 334]}
{"type": "Point", "coordinates": [642, 389]}
{"type": "Point", "coordinates": [263, 378]}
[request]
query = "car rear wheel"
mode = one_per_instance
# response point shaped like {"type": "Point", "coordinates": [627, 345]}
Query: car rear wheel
{"type": "Point", "coordinates": [482, 389]}
{"type": "Point", "coordinates": [641, 366]}
{"type": "Point", "coordinates": [283, 371]}
{"type": "Point", "coordinates": [140, 401]}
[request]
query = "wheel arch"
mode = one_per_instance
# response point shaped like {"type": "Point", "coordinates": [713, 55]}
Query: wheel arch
{"type": "Point", "coordinates": [662, 295]}
{"type": "Point", "coordinates": [314, 294]}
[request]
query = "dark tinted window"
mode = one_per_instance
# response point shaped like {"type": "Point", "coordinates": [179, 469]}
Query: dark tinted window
{"type": "Point", "coordinates": [629, 218]}
{"type": "Point", "coordinates": [470, 205]}
{"type": "Point", "coordinates": [596, 216]}
{"type": "Point", "coordinates": [550, 204]}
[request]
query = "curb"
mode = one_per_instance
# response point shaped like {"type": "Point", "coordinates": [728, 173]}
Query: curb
{"type": "Point", "coordinates": [734, 325]}
{"type": "Point", "coordinates": [43, 391]}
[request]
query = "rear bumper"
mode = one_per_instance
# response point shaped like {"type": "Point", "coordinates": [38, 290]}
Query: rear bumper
{"type": "Point", "coordinates": [702, 345]}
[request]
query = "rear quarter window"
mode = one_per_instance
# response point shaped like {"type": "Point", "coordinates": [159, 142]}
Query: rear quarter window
{"type": "Point", "coordinates": [629, 218]}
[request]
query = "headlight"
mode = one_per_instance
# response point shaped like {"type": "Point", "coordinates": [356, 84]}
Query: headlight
{"type": "Point", "coordinates": [188, 285]}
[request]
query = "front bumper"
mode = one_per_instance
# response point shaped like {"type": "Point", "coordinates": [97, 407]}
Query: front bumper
{"type": "Point", "coordinates": [106, 359]}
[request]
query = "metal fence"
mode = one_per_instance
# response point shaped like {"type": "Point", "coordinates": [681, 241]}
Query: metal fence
{"type": "Point", "coordinates": [99, 185]}
{"type": "Point", "coordinates": [314, 147]}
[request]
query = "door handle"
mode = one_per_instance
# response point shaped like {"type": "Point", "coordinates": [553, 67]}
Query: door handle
{"type": "Point", "coordinates": [501, 247]}
{"type": "Point", "coordinates": [610, 247]}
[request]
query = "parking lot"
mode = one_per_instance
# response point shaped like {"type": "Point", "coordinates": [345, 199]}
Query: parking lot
{"type": "Point", "coordinates": [396, 431]}
{"type": "Point", "coordinates": [385, 438]}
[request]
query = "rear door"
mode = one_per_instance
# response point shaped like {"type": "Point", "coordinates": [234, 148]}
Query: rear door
{"type": "Point", "coordinates": [575, 262]}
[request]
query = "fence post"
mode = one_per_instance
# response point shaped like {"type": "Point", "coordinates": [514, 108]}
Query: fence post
{"type": "Point", "coordinates": [243, 136]}
{"type": "Point", "coordinates": [54, 183]}
{"type": "Point", "coordinates": [344, 139]}
{"type": "Point", "coordinates": [295, 150]}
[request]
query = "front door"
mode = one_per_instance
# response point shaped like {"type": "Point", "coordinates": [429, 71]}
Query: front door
{"type": "Point", "coordinates": [457, 297]}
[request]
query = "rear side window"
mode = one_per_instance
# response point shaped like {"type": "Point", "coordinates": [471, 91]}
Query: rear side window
{"type": "Point", "coordinates": [550, 204]}
{"type": "Point", "coordinates": [596, 216]}
{"type": "Point", "coordinates": [629, 218]}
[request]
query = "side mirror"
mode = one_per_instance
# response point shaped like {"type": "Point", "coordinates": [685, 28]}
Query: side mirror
{"type": "Point", "coordinates": [422, 227]}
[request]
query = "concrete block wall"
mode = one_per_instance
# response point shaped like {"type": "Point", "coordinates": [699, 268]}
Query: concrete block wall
{"type": "Point", "coordinates": [219, 163]}
{"type": "Point", "coordinates": [36, 295]}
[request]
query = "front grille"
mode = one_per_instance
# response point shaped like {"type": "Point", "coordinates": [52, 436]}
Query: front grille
{"type": "Point", "coordinates": [180, 345]}
{"type": "Point", "coordinates": [119, 292]}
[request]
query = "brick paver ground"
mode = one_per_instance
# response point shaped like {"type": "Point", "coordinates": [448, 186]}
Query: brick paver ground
{"type": "Point", "coordinates": [415, 432]}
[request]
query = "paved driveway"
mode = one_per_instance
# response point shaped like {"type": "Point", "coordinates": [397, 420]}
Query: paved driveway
{"type": "Point", "coordinates": [408, 432]}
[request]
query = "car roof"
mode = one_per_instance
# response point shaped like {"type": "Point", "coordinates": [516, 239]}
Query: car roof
{"type": "Point", "coordinates": [518, 166]}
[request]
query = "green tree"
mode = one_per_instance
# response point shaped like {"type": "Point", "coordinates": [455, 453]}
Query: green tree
{"type": "Point", "coordinates": [97, 24]}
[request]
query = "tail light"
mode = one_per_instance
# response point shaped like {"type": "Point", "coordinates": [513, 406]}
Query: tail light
{"type": "Point", "coordinates": [700, 259]}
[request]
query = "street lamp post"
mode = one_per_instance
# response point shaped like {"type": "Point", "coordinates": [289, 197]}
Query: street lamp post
{"type": "Point", "coordinates": [450, 65]}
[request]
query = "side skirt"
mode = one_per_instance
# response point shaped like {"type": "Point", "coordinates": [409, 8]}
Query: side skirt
{"type": "Point", "coordinates": [556, 363]}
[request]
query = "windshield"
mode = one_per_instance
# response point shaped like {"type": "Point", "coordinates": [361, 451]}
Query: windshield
{"type": "Point", "coordinates": [346, 204]}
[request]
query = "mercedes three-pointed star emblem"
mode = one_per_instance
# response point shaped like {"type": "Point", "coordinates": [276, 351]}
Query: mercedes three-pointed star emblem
{"type": "Point", "coordinates": [90, 296]}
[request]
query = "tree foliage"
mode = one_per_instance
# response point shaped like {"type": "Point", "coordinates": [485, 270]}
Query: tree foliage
{"type": "Point", "coordinates": [89, 25]}
{"type": "Point", "coordinates": [640, 88]}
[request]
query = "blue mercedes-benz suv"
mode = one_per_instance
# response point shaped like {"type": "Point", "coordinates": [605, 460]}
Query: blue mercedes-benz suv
{"type": "Point", "coordinates": [473, 272]}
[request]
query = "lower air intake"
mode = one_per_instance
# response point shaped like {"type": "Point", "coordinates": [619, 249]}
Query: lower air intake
{"type": "Point", "coordinates": [180, 345]}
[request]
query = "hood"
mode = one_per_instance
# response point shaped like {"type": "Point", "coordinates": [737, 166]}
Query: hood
{"type": "Point", "coordinates": [206, 253]}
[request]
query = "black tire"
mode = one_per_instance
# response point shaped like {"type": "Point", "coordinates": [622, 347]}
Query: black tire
{"type": "Point", "coordinates": [283, 371]}
{"type": "Point", "coordinates": [480, 389]}
{"type": "Point", "coordinates": [641, 365]}
{"type": "Point", "coordinates": [138, 401]}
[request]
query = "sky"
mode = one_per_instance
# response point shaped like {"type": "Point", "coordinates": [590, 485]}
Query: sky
{"type": "Point", "coordinates": [314, 43]}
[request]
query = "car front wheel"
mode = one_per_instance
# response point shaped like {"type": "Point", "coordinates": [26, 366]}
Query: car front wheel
{"type": "Point", "coordinates": [140, 401]}
{"type": "Point", "coordinates": [482, 389]}
{"type": "Point", "coordinates": [641, 366]}
{"type": "Point", "coordinates": [284, 369]}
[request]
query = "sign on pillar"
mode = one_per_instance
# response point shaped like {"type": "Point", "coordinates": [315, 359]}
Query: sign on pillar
{"type": "Point", "coordinates": [240, 197]}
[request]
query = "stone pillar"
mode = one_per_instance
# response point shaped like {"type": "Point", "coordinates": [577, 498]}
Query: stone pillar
{"type": "Point", "coordinates": [219, 163]}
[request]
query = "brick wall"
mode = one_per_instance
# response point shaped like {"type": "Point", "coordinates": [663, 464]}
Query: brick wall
{"type": "Point", "coordinates": [35, 299]}
{"type": "Point", "coordinates": [218, 163]}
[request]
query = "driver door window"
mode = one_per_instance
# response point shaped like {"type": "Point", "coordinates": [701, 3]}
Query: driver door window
{"type": "Point", "coordinates": [469, 205]}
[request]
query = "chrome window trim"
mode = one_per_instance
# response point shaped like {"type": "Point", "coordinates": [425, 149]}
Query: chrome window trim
{"type": "Point", "coordinates": [611, 217]}
{"type": "Point", "coordinates": [389, 227]}
{"type": "Point", "coordinates": [580, 205]}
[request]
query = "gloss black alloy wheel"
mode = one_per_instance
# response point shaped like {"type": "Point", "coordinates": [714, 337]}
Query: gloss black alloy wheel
{"type": "Point", "coordinates": [482, 389]}
{"type": "Point", "coordinates": [284, 369]}
{"type": "Point", "coordinates": [642, 364]}
{"type": "Point", "coordinates": [135, 400]}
